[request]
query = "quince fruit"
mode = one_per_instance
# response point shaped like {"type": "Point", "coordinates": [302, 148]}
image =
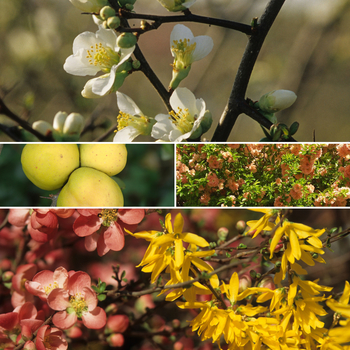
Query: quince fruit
{"type": "Point", "coordinates": [109, 158]}
{"type": "Point", "coordinates": [48, 166]}
{"type": "Point", "coordinates": [88, 187]}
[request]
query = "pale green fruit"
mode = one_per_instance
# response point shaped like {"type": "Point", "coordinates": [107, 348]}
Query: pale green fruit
{"type": "Point", "coordinates": [87, 187]}
{"type": "Point", "coordinates": [48, 166]}
{"type": "Point", "coordinates": [109, 158]}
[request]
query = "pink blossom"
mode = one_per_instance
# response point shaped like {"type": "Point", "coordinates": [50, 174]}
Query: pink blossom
{"type": "Point", "coordinates": [45, 281]}
{"type": "Point", "coordinates": [117, 323]}
{"type": "Point", "coordinates": [104, 228]}
{"type": "Point", "coordinates": [50, 338]}
{"type": "Point", "coordinates": [78, 301]}
{"type": "Point", "coordinates": [20, 295]}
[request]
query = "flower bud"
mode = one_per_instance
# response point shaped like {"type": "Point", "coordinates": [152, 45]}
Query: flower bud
{"type": "Point", "coordinates": [107, 12]}
{"type": "Point", "coordinates": [116, 340]}
{"type": "Point", "coordinates": [267, 282]}
{"type": "Point", "coordinates": [117, 323]}
{"type": "Point", "coordinates": [136, 64]}
{"type": "Point", "coordinates": [126, 40]}
{"type": "Point", "coordinates": [244, 283]}
{"type": "Point", "coordinates": [240, 226]}
{"type": "Point", "coordinates": [58, 121]}
{"type": "Point", "coordinates": [276, 100]}
{"type": "Point", "coordinates": [222, 233]}
{"type": "Point", "coordinates": [73, 127]}
{"type": "Point", "coordinates": [43, 127]}
{"type": "Point", "coordinates": [7, 276]}
{"type": "Point", "coordinates": [89, 5]}
{"type": "Point", "coordinates": [113, 22]}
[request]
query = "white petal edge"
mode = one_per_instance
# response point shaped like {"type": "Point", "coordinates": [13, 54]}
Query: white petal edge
{"type": "Point", "coordinates": [126, 134]}
{"type": "Point", "coordinates": [127, 105]}
{"type": "Point", "coordinates": [204, 45]}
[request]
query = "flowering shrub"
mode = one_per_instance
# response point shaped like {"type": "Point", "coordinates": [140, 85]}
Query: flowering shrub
{"type": "Point", "coordinates": [263, 175]}
{"type": "Point", "coordinates": [245, 284]}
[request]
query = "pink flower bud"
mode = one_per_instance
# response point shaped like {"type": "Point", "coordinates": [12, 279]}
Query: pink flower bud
{"type": "Point", "coordinates": [244, 283]}
{"type": "Point", "coordinates": [240, 226]}
{"type": "Point", "coordinates": [222, 233]}
{"type": "Point", "coordinates": [267, 282]}
{"type": "Point", "coordinates": [116, 340]}
{"type": "Point", "coordinates": [117, 323]}
{"type": "Point", "coordinates": [7, 276]}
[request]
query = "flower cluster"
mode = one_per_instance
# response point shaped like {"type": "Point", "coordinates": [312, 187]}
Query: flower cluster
{"type": "Point", "coordinates": [263, 175]}
{"type": "Point", "coordinates": [246, 290]}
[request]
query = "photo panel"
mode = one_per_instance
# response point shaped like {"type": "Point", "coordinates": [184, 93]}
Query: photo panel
{"type": "Point", "coordinates": [263, 175]}
{"type": "Point", "coordinates": [87, 175]}
{"type": "Point", "coordinates": [205, 278]}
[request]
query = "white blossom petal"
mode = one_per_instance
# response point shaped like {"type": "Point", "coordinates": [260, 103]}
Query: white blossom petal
{"type": "Point", "coordinates": [126, 134]}
{"type": "Point", "coordinates": [204, 45]}
{"type": "Point", "coordinates": [127, 105]}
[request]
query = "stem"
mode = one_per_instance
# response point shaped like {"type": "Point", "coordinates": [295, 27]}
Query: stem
{"type": "Point", "coordinates": [146, 69]}
{"type": "Point", "coordinates": [25, 125]}
{"type": "Point", "coordinates": [234, 106]}
{"type": "Point", "coordinates": [189, 17]}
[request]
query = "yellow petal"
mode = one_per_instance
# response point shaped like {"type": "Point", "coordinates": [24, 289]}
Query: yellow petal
{"type": "Point", "coordinates": [178, 223]}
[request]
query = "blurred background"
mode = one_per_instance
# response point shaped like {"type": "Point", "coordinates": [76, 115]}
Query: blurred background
{"type": "Point", "coordinates": [148, 178]}
{"type": "Point", "coordinates": [307, 51]}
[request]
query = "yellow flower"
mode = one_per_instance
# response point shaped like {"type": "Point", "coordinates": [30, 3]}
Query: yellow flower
{"type": "Point", "coordinates": [263, 223]}
{"type": "Point", "coordinates": [167, 247]}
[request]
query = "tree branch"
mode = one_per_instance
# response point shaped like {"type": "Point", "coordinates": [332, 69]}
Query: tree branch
{"type": "Point", "coordinates": [234, 108]}
{"type": "Point", "coordinates": [25, 125]}
{"type": "Point", "coordinates": [187, 16]}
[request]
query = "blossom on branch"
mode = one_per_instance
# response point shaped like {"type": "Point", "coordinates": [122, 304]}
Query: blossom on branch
{"type": "Point", "coordinates": [186, 49]}
{"type": "Point", "coordinates": [131, 121]}
{"type": "Point", "coordinates": [78, 301]}
{"type": "Point", "coordinates": [189, 118]}
{"type": "Point", "coordinates": [177, 5]}
{"type": "Point", "coordinates": [99, 52]}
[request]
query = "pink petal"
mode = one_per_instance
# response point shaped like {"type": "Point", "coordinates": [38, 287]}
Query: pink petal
{"type": "Point", "coordinates": [29, 326]}
{"type": "Point", "coordinates": [86, 225]}
{"type": "Point", "coordinates": [91, 242]}
{"type": "Point", "coordinates": [95, 319]}
{"type": "Point", "coordinates": [90, 298]}
{"type": "Point", "coordinates": [8, 320]}
{"type": "Point", "coordinates": [18, 217]}
{"type": "Point", "coordinates": [37, 289]}
{"type": "Point", "coordinates": [78, 281]}
{"type": "Point", "coordinates": [27, 310]}
{"type": "Point", "coordinates": [114, 237]}
{"type": "Point", "coordinates": [131, 216]}
{"type": "Point", "coordinates": [88, 212]}
{"type": "Point", "coordinates": [63, 213]}
{"type": "Point", "coordinates": [64, 320]}
{"type": "Point", "coordinates": [102, 248]}
{"type": "Point", "coordinates": [58, 299]}
{"type": "Point", "coordinates": [60, 276]}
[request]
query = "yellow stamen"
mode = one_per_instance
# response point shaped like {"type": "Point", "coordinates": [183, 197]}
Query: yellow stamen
{"type": "Point", "coordinates": [103, 57]}
{"type": "Point", "coordinates": [182, 119]}
{"type": "Point", "coordinates": [108, 216]}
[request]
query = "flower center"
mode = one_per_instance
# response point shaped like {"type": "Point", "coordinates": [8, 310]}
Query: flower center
{"type": "Point", "coordinates": [140, 123]}
{"type": "Point", "coordinates": [50, 287]}
{"type": "Point", "coordinates": [78, 304]}
{"type": "Point", "coordinates": [183, 53]}
{"type": "Point", "coordinates": [103, 57]}
{"type": "Point", "coordinates": [108, 216]}
{"type": "Point", "coordinates": [183, 120]}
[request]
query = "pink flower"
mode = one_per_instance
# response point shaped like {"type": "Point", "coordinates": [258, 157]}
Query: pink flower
{"type": "Point", "coordinates": [50, 338]}
{"type": "Point", "coordinates": [45, 281]}
{"type": "Point", "coordinates": [78, 301]}
{"type": "Point", "coordinates": [104, 228]}
{"type": "Point", "coordinates": [20, 294]}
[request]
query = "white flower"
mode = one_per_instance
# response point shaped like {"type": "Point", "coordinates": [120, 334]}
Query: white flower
{"type": "Point", "coordinates": [99, 52]}
{"type": "Point", "coordinates": [89, 5]}
{"type": "Point", "coordinates": [186, 49]}
{"type": "Point", "coordinates": [185, 119]}
{"type": "Point", "coordinates": [131, 121]}
{"type": "Point", "coordinates": [177, 5]}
